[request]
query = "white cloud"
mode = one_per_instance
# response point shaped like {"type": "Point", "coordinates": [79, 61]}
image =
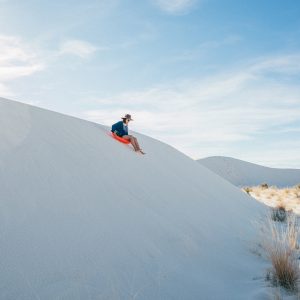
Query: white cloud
{"type": "Point", "coordinates": [201, 49]}
{"type": "Point", "coordinates": [79, 48]}
{"type": "Point", "coordinates": [289, 64]}
{"type": "Point", "coordinates": [175, 6]}
{"type": "Point", "coordinates": [17, 59]}
{"type": "Point", "coordinates": [223, 109]}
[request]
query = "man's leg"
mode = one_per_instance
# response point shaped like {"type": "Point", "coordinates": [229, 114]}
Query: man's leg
{"type": "Point", "coordinates": [132, 141]}
{"type": "Point", "coordinates": [138, 146]}
{"type": "Point", "coordinates": [136, 142]}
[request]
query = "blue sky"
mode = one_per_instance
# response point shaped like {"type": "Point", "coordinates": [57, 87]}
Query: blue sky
{"type": "Point", "coordinates": [209, 77]}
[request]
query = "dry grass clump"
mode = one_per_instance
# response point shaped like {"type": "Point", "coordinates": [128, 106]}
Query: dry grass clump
{"type": "Point", "coordinates": [280, 241]}
{"type": "Point", "coordinates": [286, 233]}
{"type": "Point", "coordinates": [285, 269]}
{"type": "Point", "coordinates": [248, 190]}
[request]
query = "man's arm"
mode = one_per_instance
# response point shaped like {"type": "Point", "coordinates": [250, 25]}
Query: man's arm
{"type": "Point", "coordinates": [114, 127]}
{"type": "Point", "coordinates": [119, 128]}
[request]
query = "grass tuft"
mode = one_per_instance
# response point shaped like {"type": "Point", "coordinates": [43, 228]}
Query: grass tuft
{"type": "Point", "coordinates": [281, 243]}
{"type": "Point", "coordinates": [285, 268]}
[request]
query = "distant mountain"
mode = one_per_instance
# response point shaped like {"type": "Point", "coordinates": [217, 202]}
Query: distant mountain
{"type": "Point", "coordinates": [82, 216]}
{"type": "Point", "coordinates": [242, 173]}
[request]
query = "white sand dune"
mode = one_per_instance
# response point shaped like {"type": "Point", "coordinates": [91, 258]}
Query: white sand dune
{"type": "Point", "coordinates": [242, 173]}
{"type": "Point", "coordinates": [83, 216]}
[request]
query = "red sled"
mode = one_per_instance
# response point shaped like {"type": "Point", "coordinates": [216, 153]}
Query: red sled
{"type": "Point", "coordinates": [119, 138]}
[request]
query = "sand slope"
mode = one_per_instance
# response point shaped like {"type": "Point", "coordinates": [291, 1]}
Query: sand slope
{"type": "Point", "coordinates": [242, 173]}
{"type": "Point", "coordinates": [83, 216]}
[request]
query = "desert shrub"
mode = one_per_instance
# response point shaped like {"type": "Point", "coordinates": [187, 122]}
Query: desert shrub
{"type": "Point", "coordinates": [264, 186]}
{"type": "Point", "coordinates": [279, 214]}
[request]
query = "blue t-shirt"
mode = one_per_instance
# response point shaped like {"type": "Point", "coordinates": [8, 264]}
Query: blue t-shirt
{"type": "Point", "coordinates": [120, 128]}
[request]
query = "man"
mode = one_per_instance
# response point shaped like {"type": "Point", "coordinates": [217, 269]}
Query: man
{"type": "Point", "coordinates": [121, 129]}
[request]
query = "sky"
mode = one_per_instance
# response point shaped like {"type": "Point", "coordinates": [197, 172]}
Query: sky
{"type": "Point", "coordinates": [209, 77]}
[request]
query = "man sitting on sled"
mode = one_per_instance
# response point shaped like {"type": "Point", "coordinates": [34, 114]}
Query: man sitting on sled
{"type": "Point", "coordinates": [121, 129]}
